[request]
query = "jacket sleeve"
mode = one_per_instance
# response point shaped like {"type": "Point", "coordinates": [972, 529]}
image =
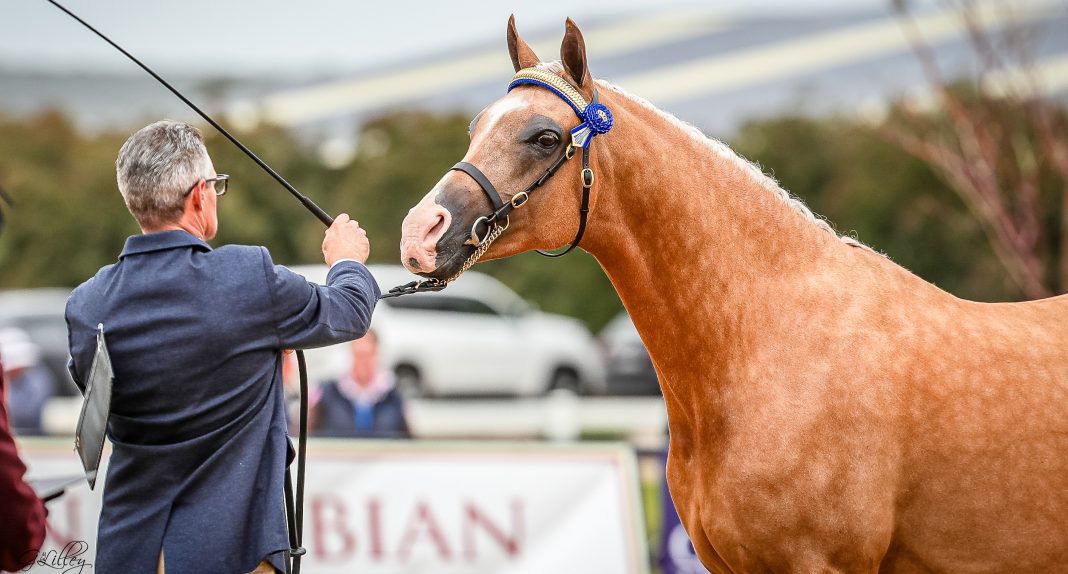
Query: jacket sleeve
{"type": "Point", "coordinates": [309, 315]}
{"type": "Point", "coordinates": [22, 530]}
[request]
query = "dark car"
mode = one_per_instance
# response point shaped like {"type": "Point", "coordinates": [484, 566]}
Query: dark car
{"type": "Point", "coordinates": [39, 312]}
{"type": "Point", "coordinates": [629, 369]}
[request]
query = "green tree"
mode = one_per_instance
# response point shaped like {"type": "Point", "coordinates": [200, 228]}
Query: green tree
{"type": "Point", "coordinates": [69, 219]}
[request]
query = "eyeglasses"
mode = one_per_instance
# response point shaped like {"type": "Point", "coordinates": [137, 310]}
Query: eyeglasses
{"type": "Point", "coordinates": [220, 182]}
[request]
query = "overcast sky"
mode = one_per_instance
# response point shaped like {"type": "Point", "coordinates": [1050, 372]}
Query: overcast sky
{"type": "Point", "coordinates": [312, 37]}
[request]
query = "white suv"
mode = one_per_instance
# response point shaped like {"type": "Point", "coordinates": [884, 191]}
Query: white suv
{"type": "Point", "coordinates": [477, 337]}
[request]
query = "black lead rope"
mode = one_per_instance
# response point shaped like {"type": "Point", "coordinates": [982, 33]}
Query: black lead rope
{"type": "Point", "coordinates": [424, 286]}
{"type": "Point", "coordinates": [295, 505]}
{"type": "Point", "coordinates": [295, 509]}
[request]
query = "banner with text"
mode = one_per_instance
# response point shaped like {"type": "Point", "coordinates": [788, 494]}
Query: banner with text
{"type": "Point", "coordinates": [406, 507]}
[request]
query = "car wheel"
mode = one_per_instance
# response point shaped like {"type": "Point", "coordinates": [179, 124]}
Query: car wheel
{"type": "Point", "coordinates": [409, 382]}
{"type": "Point", "coordinates": [565, 378]}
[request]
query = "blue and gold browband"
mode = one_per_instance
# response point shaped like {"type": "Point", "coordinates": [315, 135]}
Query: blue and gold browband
{"type": "Point", "coordinates": [596, 117]}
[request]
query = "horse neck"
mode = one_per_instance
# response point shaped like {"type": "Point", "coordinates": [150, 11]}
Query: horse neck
{"type": "Point", "coordinates": [691, 237]}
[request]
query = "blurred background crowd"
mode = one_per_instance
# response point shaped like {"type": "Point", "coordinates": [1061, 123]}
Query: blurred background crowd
{"type": "Point", "coordinates": [935, 132]}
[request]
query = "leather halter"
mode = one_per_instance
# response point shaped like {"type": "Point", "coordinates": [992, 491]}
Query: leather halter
{"type": "Point", "coordinates": [596, 119]}
{"type": "Point", "coordinates": [502, 208]}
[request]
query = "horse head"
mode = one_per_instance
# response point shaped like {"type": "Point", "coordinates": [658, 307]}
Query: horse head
{"type": "Point", "coordinates": [505, 180]}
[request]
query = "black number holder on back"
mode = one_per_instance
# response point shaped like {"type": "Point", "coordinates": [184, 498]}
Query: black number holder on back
{"type": "Point", "coordinates": [96, 409]}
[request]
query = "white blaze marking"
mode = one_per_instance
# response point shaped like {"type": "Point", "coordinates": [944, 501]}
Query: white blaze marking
{"type": "Point", "coordinates": [487, 124]}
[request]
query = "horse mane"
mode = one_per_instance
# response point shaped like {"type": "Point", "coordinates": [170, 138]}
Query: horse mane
{"type": "Point", "coordinates": [723, 151]}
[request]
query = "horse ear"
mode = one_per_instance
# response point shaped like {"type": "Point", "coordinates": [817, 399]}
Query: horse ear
{"type": "Point", "coordinates": [522, 55]}
{"type": "Point", "coordinates": [573, 55]}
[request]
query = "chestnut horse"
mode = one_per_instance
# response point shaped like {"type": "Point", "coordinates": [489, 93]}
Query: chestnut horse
{"type": "Point", "coordinates": [829, 411]}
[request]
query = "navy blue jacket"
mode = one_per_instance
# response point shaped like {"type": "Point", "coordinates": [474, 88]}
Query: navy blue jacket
{"type": "Point", "coordinates": [198, 425]}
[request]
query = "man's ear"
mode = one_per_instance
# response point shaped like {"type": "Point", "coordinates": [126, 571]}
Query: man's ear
{"type": "Point", "coordinates": [197, 195]}
{"type": "Point", "coordinates": [522, 55]}
{"type": "Point", "coordinates": [573, 55]}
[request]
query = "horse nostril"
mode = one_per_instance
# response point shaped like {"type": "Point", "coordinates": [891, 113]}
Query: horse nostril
{"type": "Point", "coordinates": [434, 231]}
{"type": "Point", "coordinates": [422, 228]}
{"type": "Point", "coordinates": [436, 224]}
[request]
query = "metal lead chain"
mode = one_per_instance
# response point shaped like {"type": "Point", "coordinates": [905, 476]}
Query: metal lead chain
{"type": "Point", "coordinates": [482, 248]}
{"type": "Point", "coordinates": [431, 285]}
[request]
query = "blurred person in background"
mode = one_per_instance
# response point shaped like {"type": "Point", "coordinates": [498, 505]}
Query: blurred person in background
{"type": "Point", "coordinates": [195, 336]}
{"type": "Point", "coordinates": [22, 518]}
{"type": "Point", "coordinates": [363, 403]}
{"type": "Point", "coordinates": [29, 382]}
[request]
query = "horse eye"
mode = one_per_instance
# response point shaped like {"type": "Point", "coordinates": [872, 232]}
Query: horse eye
{"type": "Point", "coordinates": [548, 139]}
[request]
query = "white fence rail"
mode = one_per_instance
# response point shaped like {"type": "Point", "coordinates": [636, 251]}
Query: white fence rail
{"type": "Point", "coordinates": [559, 416]}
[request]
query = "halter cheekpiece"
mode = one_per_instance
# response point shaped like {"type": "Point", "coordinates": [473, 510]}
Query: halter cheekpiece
{"type": "Point", "coordinates": [596, 119]}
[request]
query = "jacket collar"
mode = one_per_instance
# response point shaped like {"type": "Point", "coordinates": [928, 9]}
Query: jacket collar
{"type": "Point", "coordinates": [148, 242]}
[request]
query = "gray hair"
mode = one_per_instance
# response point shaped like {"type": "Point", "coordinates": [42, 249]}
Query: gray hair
{"type": "Point", "coordinates": [155, 168]}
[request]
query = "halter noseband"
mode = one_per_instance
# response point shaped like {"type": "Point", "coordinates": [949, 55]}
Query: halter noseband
{"type": "Point", "coordinates": [596, 119]}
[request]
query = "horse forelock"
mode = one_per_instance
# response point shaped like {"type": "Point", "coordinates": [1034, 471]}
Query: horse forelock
{"type": "Point", "coordinates": [555, 67]}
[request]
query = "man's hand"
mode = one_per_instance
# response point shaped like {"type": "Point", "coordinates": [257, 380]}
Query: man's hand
{"type": "Point", "coordinates": [345, 240]}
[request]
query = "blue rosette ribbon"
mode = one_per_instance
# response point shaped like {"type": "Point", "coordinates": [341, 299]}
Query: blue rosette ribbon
{"type": "Point", "coordinates": [597, 119]}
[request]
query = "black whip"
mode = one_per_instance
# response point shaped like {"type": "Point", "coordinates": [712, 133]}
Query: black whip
{"type": "Point", "coordinates": [309, 204]}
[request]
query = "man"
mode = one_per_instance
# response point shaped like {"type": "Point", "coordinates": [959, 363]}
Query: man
{"type": "Point", "coordinates": [363, 403]}
{"type": "Point", "coordinates": [22, 529]}
{"type": "Point", "coordinates": [195, 335]}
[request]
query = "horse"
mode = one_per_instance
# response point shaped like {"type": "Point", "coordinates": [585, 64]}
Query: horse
{"type": "Point", "coordinates": [828, 410]}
